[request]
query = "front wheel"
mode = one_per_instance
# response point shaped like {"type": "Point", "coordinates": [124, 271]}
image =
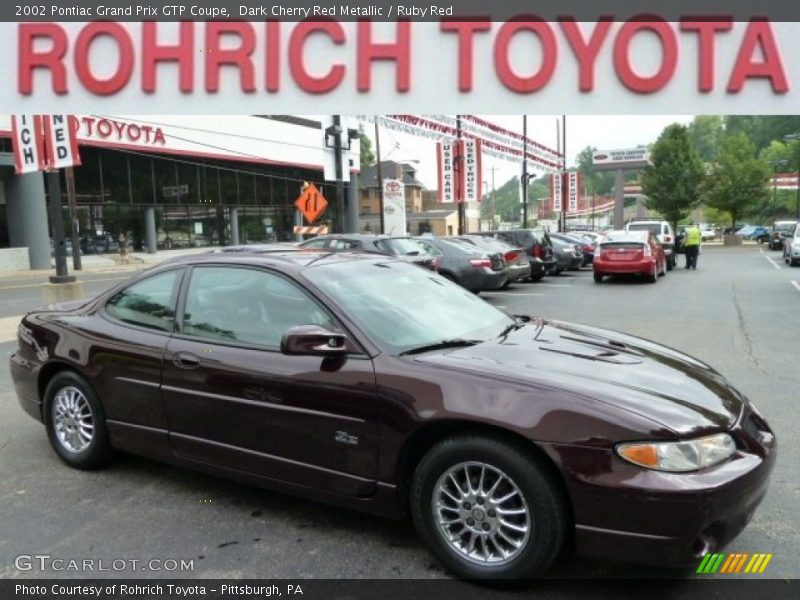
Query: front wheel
{"type": "Point", "coordinates": [598, 278]}
{"type": "Point", "coordinates": [487, 509]}
{"type": "Point", "coordinates": [75, 422]}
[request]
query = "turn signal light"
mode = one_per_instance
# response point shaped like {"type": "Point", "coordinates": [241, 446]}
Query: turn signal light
{"type": "Point", "coordinates": [644, 455]}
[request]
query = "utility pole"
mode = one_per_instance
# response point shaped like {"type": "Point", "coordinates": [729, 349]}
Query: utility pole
{"type": "Point", "coordinates": [524, 171]}
{"type": "Point", "coordinates": [494, 199]}
{"type": "Point", "coordinates": [459, 166]}
{"type": "Point", "coordinates": [379, 170]}
{"type": "Point", "coordinates": [563, 221]}
{"type": "Point", "coordinates": [795, 137]}
{"type": "Point", "coordinates": [337, 148]}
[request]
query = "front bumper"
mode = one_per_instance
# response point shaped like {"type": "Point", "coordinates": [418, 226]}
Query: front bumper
{"type": "Point", "coordinates": [24, 375]}
{"type": "Point", "coordinates": [623, 512]}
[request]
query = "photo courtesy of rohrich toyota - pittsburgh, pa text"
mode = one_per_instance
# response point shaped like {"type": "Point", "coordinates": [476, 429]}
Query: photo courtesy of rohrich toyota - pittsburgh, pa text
{"type": "Point", "coordinates": [357, 300]}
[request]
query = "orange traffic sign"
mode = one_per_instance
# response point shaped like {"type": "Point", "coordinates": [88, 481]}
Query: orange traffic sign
{"type": "Point", "coordinates": [311, 203]}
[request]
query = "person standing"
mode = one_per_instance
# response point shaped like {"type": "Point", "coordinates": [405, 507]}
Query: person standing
{"type": "Point", "coordinates": [692, 245]}
{"type": "Point", "coordinates": [122, 240]}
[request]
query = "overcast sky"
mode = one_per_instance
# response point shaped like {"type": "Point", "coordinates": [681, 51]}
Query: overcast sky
{"type": "Point", "coordinates": [606, 132]}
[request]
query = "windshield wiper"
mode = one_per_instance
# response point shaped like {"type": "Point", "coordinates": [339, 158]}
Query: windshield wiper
{"type": "Point", "coordinates": [517, 324]}
{"type": "Point", "coordinates": [441, 345]}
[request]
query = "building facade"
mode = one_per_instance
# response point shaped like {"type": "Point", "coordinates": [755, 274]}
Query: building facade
{"type": "Point", "coordinates": [178, 181]}
{"type": "Point", "coordinates": [424, 212]}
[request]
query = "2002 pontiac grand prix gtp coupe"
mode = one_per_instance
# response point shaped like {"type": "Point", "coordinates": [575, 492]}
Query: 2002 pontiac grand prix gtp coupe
{"type": "Point", "coordinates": [373, 384]}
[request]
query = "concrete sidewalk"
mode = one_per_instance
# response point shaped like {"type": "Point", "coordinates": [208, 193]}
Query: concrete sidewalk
{"type": "Point", "coordinates": [107, 263]}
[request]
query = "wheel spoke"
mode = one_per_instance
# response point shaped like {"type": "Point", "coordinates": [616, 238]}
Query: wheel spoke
{"type": "Point", "coordinates": [513, 526]}
{"type": "Point", "coordinates": [505, 498]}
{"type": "Point", "coordinates": [512, 511]}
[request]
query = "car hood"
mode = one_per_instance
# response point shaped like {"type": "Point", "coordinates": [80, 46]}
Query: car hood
{"type": "Point", "coordinates": [658, 383]}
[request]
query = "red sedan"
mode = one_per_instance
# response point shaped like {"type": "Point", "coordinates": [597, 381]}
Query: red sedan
{"type": "Point", "coordinates": [630, 252]}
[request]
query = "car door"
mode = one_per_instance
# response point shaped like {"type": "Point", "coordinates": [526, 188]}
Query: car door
{"type": "Point", "coordinates": [126, 346]}
{"type": "Point", "coordinates": [235, 401]}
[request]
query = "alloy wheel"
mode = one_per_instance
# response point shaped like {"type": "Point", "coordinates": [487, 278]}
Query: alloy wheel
{"type": "Point", "coordinates": [73, 421]}
{"type": "Point", "coordinates": [481, 514]}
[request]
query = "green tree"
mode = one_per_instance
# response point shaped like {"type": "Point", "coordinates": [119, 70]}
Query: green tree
{"type": "Point", "coordinates": [672, 183]}
{"type": "Point", "coordinates": [367, 155]}
{"type": "Point", "coordinates": [738, 179]}
{"type": "Point", "coordinates": [706, 132]}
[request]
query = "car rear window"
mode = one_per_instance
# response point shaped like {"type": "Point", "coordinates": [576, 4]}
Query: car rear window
{"type": "Point", "coordinates": [652, 227]}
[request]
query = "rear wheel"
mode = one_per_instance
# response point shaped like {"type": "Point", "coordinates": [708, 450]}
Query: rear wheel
{"type": "Point", "coordinates": [598, 277]}
{"type": "Point", "coordinates": [651, 278]}
{"type": "Point", "coordinates": [488, 510]}
{"type": "Point", "coordinates": [537, 277]}
{"type": "Point", "coordinates": [75, 422]}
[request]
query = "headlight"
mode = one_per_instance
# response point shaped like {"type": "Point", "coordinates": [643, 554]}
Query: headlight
{"type": "Point", "coordinates": [689, 455]}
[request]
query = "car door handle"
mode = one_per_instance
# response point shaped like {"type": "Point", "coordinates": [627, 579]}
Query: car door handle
{"type": "Point", "coordinates": [186, 360]}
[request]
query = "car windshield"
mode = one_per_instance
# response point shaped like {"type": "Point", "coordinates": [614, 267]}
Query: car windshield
{"type": "Point", "coordinates": [403, 246]}
{"type": "Point", "coordinates": [652, 227]}
{"type": "Point", "coordinates": [402, 307]}
{"type": "Point", "coordinates": [785, 227]}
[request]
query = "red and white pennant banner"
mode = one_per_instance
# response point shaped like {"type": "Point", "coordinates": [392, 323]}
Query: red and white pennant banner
{"type": "Point", "coordinates": [27, 137]}
{"type": "Point", "coordinates": [433, 129]}
{"type": "Point", "coordinates": [43, 143]}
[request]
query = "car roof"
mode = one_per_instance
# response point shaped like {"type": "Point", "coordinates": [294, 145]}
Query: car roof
{"type": "Point", "coordinates": [289, 261]}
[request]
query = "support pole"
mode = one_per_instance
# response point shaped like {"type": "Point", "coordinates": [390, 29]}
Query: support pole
{"type": "Point", "coordinates": [150, 229]}
{"type": "Point", "coordinates": [619, 199]}
{"type": "Point", "coordinates": [73, 217]}
{"type": "Point", "coordinates": [379, 171]}
{"type": "Point", "coordinates": [57, 227]}
{"type": "Point", "coordinates": [459, 166]}
{"type": "Point", "coordinates": [234, 219]}
{"type": "Point", "coordinates": [337, 148]}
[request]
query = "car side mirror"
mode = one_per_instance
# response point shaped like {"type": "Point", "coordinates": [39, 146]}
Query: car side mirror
{"type": "Point", "coordinates": [313, 340]}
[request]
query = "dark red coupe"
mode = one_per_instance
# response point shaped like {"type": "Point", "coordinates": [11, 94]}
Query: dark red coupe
{"type": "Point", "coordinates": [366, 382]}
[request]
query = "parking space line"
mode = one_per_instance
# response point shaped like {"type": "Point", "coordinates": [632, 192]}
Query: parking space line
{"type": "Point", "coordinates": [774, 264]}
{"type": "Point", "coordinates": [796, 285]}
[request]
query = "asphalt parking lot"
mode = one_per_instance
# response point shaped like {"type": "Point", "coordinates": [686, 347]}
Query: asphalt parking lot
{"type": "Point", "coordinates": [740, 312]}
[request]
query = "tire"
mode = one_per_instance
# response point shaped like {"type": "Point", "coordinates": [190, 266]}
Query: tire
{"type": "Point", "coordinates": [651, 278]}
{"type": "Point", "coordinates": [670, 263]}
{"type": "Point", "coordinates": [535, 278]}
{"type": "Point", "coordinates": [598, 278]}
{"type": "Point", "coordinates": [537, 494]}
{"type": "Point", "coordinates": [67, 392]}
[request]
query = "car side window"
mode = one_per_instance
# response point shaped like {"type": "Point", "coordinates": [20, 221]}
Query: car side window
{"type": "Point", "coordinates": [147, 303]}
{"type": "Point", "coordinates": [247, 306]}
{"type": "Point", "coordinates": [315, 244]}
{"type": "Point", "coordinates": [343, 244]}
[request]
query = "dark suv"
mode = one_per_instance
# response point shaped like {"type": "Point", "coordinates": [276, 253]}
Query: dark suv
{"type": "Point", "coordinates": [537, 246]}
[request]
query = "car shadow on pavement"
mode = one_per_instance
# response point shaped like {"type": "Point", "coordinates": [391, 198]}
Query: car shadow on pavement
{"type": "Point", "coordinates": [255, 509]}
